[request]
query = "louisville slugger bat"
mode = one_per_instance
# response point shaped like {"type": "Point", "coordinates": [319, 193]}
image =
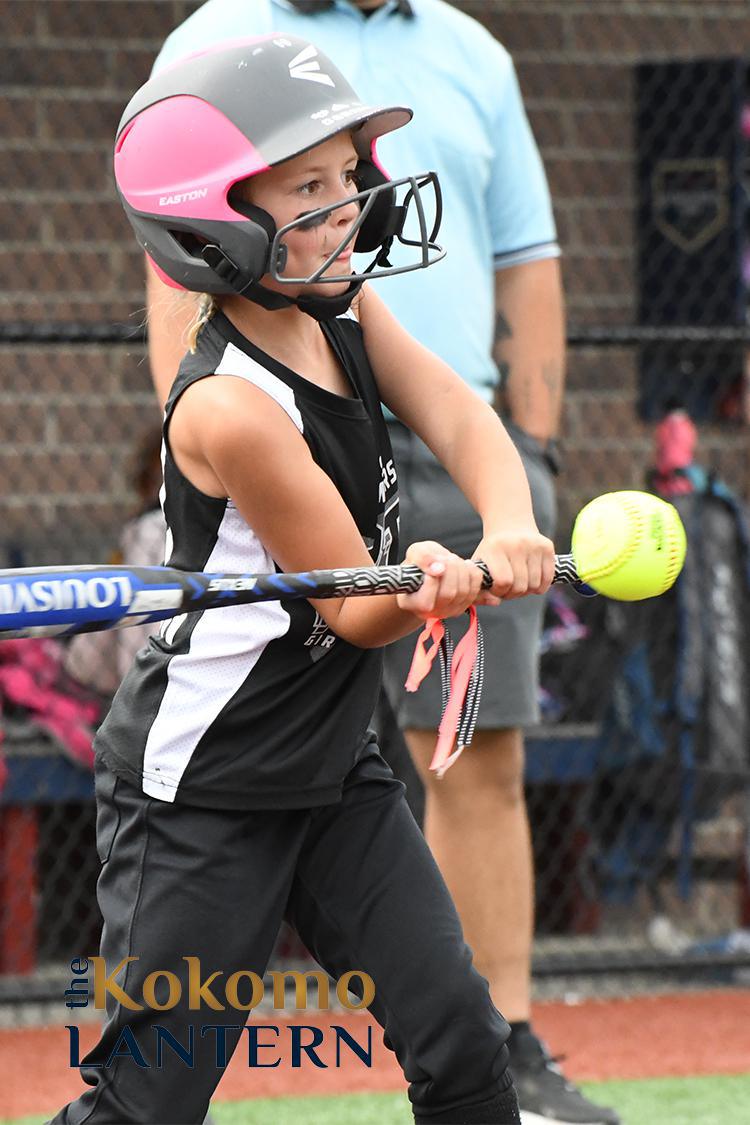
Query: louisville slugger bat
{"type": "Point", "coordinates": [63, 600]}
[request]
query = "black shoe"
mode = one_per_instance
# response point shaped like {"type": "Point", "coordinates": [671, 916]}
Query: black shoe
{"type": "Point", "coordinates": [544, 1093]}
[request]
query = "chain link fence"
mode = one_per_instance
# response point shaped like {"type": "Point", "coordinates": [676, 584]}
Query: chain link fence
{"type": "Point", "coordinates": [638, 775]}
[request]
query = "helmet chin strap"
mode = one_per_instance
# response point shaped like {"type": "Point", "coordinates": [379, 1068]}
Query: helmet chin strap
{"type": "Point", "coordinates": [316, 306]}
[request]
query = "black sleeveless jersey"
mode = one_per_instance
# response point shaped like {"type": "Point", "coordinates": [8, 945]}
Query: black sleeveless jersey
{"type": "Point", "coordinates": [259, 706]}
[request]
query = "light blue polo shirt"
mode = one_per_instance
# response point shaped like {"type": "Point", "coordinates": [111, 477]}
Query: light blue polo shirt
{"type": "Point", "coordinates": [469, 126]}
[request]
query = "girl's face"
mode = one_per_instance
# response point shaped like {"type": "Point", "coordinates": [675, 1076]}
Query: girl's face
{"type": "Point", "coordinates": [317, 178]}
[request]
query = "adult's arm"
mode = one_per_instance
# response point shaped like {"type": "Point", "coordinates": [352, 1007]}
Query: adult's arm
{"type": "Point", "coordinates": [169, 313]}
{"type": "Point", "coordinates": [529, 346]}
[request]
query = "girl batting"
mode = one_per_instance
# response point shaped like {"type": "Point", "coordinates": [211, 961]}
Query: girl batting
{"type": "Point", "coordinates": [237, 780]}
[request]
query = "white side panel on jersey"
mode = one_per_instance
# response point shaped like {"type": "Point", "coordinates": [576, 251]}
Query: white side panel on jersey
{"type": "Point", "coordinates": [236, 362]}
{"type": "Point", "coordinates": [225, 646]}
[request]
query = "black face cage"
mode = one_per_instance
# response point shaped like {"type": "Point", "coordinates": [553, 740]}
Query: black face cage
{"type": "Point", "coordinates": [431, 252]}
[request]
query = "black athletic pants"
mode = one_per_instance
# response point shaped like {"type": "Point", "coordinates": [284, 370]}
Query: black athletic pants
{"type": "Point", "coordinates": [359, 884]}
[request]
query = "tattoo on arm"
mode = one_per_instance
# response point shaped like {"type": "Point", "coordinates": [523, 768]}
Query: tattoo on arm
{"type": "Point", "coordinates": [551, 377]}
{"type": "Point", "coordinates": [503, 331]}
{"type": "Point", "coordinates": [533, 401]}
{"type": "Point", "coordinates": [502, 328]}
{"type": "Point", "coordinates": [503, 370]}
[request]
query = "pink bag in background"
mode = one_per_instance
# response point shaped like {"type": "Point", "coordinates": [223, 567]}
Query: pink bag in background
{"type": "Point", "coordinates": [35, 686]}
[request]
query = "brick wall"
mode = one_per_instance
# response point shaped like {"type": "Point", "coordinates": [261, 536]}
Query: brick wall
{"type": "Point", "coordinates": [67, 254]}
{"type": "Point", "coordinates": [71, 414]}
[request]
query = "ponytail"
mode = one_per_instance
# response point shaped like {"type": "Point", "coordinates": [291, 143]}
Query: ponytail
{"type": "Point", "coordinates": [207, 306]}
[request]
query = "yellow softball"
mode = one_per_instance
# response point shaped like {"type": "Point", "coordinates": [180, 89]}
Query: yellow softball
{"type": "Point", "coordinates": [629, 545]}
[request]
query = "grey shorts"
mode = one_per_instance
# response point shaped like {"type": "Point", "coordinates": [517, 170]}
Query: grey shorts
{"type": "Point", "coordinates": [432, 507]}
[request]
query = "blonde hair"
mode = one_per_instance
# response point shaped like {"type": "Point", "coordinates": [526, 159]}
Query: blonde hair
{"type": "Point", "coordinates": [206, 308]}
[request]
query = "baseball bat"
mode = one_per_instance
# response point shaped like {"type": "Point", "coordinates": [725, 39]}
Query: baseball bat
{"type": "Point", "coordinates": [63, 600]}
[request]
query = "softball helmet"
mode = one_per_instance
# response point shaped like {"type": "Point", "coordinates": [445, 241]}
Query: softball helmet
{"type": "Point", "coordinates": [230, 112]}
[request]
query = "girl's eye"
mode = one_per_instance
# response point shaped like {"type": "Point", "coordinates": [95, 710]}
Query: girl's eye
{"type": "Point", "coordinates": [310, 187]}
{"type": "Point", "coordinates": [352, 177]}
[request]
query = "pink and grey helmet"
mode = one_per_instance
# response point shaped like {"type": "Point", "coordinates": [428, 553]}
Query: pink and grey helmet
{"type": "Point", "coordinates": [205, 123]}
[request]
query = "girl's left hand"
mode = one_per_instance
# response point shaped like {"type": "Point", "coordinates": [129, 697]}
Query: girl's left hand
{"type": "Point", "coordinates": [450, 585]}
{"type": "Point", "coordinates": [520, 560]}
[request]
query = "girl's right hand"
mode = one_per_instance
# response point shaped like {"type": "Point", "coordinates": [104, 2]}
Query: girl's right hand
{"type": "Point", "coordinates": [450, 586]}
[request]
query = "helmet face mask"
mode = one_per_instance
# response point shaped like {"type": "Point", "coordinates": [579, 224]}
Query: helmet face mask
{"type": "Point", "coordinates": [198, 129]}
{"type": "Point", "coordinates": [363, 236]}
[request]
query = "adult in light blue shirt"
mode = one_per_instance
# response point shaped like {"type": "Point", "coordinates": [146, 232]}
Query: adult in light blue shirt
{"type": "Point", "coordinates": [492, 309]}
{"type": "Point", "coordinates": [469, 124]}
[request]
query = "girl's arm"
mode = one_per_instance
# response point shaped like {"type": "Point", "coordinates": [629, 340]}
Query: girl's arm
{"type": "Point", "coordinates": [468, 438]}
{"type": "Point", "coordinates": [231, 439]}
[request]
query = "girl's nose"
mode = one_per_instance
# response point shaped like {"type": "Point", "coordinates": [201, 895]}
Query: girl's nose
{"type": "Point", "coordinates": [346, 212]}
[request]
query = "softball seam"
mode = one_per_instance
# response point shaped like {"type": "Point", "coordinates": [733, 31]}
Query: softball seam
{"type": "Point", "coordinates": [632, 544]}
{"type": "Point", "coordinates": [675, 564]}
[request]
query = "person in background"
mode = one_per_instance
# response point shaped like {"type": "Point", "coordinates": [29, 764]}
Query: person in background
{"type": "Point", "coordinates": [493, 310]}
{"type": "Point", "coordinates": [100, 660]}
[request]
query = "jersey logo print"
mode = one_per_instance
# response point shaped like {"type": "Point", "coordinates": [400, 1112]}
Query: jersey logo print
{"type": "Point", "coordinates": [305, 66]}
{"type": "Point", "coordinates": [387, 533]}
{"type": "Point", "coordinates": [387, 478]}
{"type": "Point", "coordinates": [321, 640]}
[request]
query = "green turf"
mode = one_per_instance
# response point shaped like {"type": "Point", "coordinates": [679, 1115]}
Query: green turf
{"type": "Point", "coordinates": [347, 1109]}
{"type": "Point", "coordinates": [657, 1101]}
{"type": "Point", "coordinates": [662, 1101]}
{"type": "Point", "coordinates": [724, 1100]}
{"type": "Point", "coordinates": [654, 1101]}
